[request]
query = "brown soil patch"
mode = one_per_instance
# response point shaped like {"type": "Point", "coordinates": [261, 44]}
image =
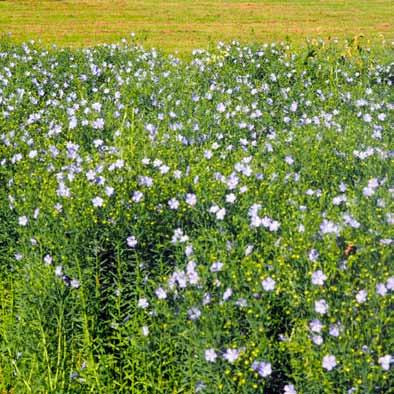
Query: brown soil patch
{"type": "Point", "coordinates": [245, 6]}
{"type": "Point", "coordinates": [383, 26]}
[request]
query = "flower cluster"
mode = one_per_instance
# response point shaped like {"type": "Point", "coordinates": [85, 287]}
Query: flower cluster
{"type": "Point", "coordinates": [225, 219]}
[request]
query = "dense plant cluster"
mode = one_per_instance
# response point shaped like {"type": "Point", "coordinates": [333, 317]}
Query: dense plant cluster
{"type": "Point", "coordinates": [221, 224]}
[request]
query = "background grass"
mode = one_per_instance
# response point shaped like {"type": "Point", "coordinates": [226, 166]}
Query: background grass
{"type": "Point", "coordinates": [183, 25]}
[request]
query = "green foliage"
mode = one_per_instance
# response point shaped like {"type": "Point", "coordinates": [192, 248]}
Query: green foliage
{"type": "Point", "coordinates": [288, 155]}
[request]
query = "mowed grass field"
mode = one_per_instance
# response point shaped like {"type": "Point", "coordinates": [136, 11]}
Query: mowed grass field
{"type": "Point", "coordinates": [183, 25]}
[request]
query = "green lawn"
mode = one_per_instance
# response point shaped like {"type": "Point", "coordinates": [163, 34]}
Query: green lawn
{"type": "Point", "coordinates": [186, 24]}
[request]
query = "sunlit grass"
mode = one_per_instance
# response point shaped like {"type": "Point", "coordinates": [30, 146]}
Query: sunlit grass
{"type": "Point", "coordinates": [183, 25]}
